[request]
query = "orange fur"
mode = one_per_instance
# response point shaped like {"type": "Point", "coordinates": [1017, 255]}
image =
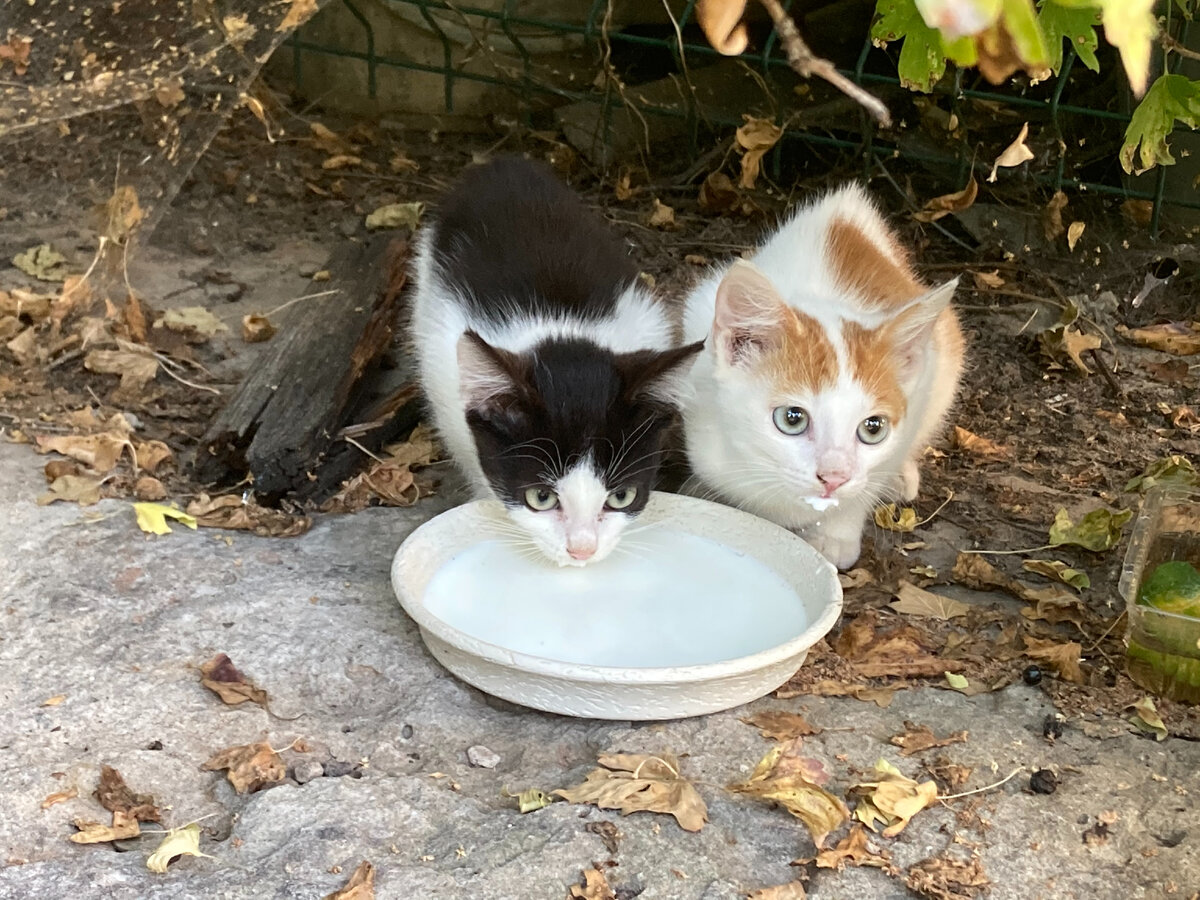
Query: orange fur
{"type": "Point", "coordinates": [872, 361]}
{"type": "Point", "coordinates": [804, 361]}
{"type": "Point", "coordinates": [861, 267]}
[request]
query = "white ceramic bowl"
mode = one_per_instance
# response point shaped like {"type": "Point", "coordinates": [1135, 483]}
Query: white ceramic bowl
{"type": "Point", "coordinates": [546, 646]}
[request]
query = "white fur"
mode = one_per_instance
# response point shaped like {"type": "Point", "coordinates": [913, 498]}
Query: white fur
{"type": "Point", "coordinates": [733, 446]}
{"type": "Point", "coordinates": [440, 318]}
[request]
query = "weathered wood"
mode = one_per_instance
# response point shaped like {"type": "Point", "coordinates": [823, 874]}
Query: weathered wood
{"type": "Point", "coordinates": [289, 408]}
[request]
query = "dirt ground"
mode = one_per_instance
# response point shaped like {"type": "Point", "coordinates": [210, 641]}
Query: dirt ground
{"type": "Point", "coordinates": [258, 217]}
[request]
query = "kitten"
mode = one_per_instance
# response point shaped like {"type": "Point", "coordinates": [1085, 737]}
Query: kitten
{"type": "Point", "coordinates": [829, 368]}
{"type": "Point", "coordinates": [551, 373]}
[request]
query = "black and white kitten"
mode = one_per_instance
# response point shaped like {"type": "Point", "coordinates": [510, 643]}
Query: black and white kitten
{"type": "Point", "coordinates": [551, 373]}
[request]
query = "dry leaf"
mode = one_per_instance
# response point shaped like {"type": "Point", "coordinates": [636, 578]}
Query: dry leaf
{"type": "Point", "coordinates": [718, 196]}
{"type": "Point", "coordinates": [299, 12]}
{"type": "Point", "coordinates": [16, 50]}
{"type": "Point", "coordinates": [852, 850]}
{"type": "Point", "coordinates": [892, 799]}
{"type": "Point", "coordinates": [1058, 571]}
{"type": "Point", "coordinates": [855, 578]}
{"type": "Point", "coordinates": [56, 700]}
{"type": "Point", "coordinates": [1074, 233]}
{"type": "Point", "coordinates": [1052, 223]}
{"type": "Point", "coordinates": [114, 795]}
{"type": "Point", "coordinates": [595, 887]}
{"type": "Point", "coordinates": [895, 652]}
{"type": "Point", "coordinates": [1139, 212]}
{"type": "Point", "coordinates": [81, 489]}
{"type": "Point", "coordinates": [256, 329]}
{"type": "Point", "coordinates": [949, 203]}
{"type": "Point", "coordinates": [149, 489]}
{"type": "Point", "coordinates": [390, 481]}
{"type": "Point", "coordinates": [193, 320]}
{"type": "Point", "coordinates": [122, 215]}
{"type": "Point", "coordinates": [918, 738]}
{"type": "Point", "coordinates": [973, 571]}
{"type": "Point", "coordinates": [633, 782]}
{"type": "Point", "coordinates": [1172, 371]}
{"type": "Point", "coordinates": [889, 518]}
{"type": "Point", "coordinates": [1178, 338]}
{"type": "Point", "coordinates": [137, 369]}
{"type": "Point", "coordinates": [396, 215]}
{"type": "Point", "coordinates": [238, 30]}
{"type": "Point", "coordinates": [755, 137]}
{"type": "Point", "coordinates": [249, 767]}
{"type": "Point", "coordinates": [100, 452]}
{"type": "Point", "coordinates": [222, 677]}
{"type": "Point", "coordinates": [361, 885]}
{"type": "Point", "coordinates": [987, 280]}
{"type": "Point", "coordinates": [777, 725]}
{"type": "Point", "coordinates": [123, 827]}
{"type": "Point", "coordinates": [135, 319]}
{"type": "Point", "coordinates": [150, 455]}
{"type": "Point", "coordinates": [721, 22]}
{"type": "Point", "coordinates": [793, 890]}
{"type": "Point", "coordinates": [662, 216]}
{"type": "Point", "coordinates": [178, 842]}
{"type": "Point", "coordinates": [788, 779]}
{"type": "Point", "coordinates": [622, 187]}
{"type": "Point", "coordinates": [169, 94]}
{"type": "Point", "coordinates": [152, 517]}
{"type": "Point", "coordinates": [939, 878]}
{"type": "Point", "coordinates": [1146, 718]}
{"type": "Point", "coordinates": [915, 601]}
{"type": "Point", "coordinates": [341, 161]}
{"type": "Point", "coordinates": [60, 797]}
{"type": "Point", "coordinates": [1014, 154]}
{"type": "Point", "coordinates": [234, 513]}
{"type": "Point", "coordinates": [979, 447]}
{"type": "Point", "coordinates": [1062, 658]}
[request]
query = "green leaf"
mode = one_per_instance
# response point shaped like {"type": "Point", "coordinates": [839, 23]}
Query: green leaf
{"type": "Point", "coordinates": [1171, 97]}
{"type": "Point", "coordinates": [1099, 530]}
{"type": "Point", "coordinates": [1174, 469]}
{"type": "Point", "coordinates": [1077, 25]}
{"type": "Point", "coordinates": [922, 60]}
{"type": "Point", "coordinates": [1147, 720]}
{"type": "Point", "coordinates": [1058, 571]}
{"type": "Point", "coordinates": [1022, 24]}
{"type": "Point", "coordinates": [956, 681]}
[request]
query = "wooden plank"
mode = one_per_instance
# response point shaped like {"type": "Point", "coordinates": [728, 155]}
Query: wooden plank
{"type": "Point", "coordinates": [289, 408]}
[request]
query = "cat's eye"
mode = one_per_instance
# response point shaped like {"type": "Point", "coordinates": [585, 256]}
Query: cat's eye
{"type": "Point", "coordinates": [541, 499]}
{"type": "Point", "coordinates": [790, 419]}
{"type": "Point", "coordinates": [621, 498]}
{"type": "Point", "coordinates": [873, 429]}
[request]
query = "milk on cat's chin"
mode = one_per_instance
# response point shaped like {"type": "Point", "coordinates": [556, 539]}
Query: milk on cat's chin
{"type": "Point", "coordinates": [548, 532]}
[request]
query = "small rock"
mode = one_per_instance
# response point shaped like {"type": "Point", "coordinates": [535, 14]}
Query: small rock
{"type": "Point", "coordinates": [483, 758]}
{"type": "Point", "coordinates": [306, 770]}
{"type": "Point", "coordinates": [148, 488]}
{"type": "Point", "coordinates": [1052, 727]}
{"type": "Point", "coordinates": [259, 243]}
{"type": "Point", "coordinates": [227, 293]}
{"type": "Point", "coordinates": [308, 270]}
{"type": "Point", "coordinates": [1043, 781]}
{"type": "Point", "coordinates": [335, 768]}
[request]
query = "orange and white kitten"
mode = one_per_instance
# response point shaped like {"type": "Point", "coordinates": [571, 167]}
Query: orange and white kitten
{"type": "Point", "coordinates": [830, 366]}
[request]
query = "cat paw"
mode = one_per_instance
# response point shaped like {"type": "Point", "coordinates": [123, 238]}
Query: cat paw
{"type": "Point", "coordinates": [910, 481]}
{"type": "Point", "coordinates": [842, 551]}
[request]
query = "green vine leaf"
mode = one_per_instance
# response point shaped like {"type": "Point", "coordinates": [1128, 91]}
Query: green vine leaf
{"type": "Point", "coordinates": [1170, 98]}
{"type": "Point", "coordinates": [922, 61]}
{"type": "Point", "coordinates": [1077, 24]}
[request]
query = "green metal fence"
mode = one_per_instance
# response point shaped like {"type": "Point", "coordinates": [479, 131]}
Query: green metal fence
{"type": "Point", "coordinates": [1046, 104]}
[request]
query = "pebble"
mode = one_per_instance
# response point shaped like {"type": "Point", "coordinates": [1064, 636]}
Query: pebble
{"type": "Point", "coordinates": [482, 758]}
{"type": "Point", "coordinates": [306, 770]}
{"type": "Point", "coordinates": [1043, 781]}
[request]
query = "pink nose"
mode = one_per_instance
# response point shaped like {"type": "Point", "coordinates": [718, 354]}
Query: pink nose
{"type": "Point", "coordinates": [581, 553]}
{"type": "Point", "coordinates": [832, 481]}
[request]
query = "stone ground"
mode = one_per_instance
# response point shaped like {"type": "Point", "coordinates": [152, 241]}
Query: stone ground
{"type": "Point", "coordinates": [118, 623]}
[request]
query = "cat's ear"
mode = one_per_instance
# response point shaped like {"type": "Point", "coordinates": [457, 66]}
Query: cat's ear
{"type": "Point", "coordinates": [912, 329]}
{"type": "Point", "coordinates": [489, 378]}
{"type": "Point", "coordinates": [660, 376]}
{"type": "Point", "coordinates": [749, 315]}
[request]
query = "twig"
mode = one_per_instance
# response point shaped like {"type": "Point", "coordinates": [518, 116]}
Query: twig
{"type": "Point", "coordinates": [182, 380]}
{"type": "Point", "coordinates": [987, 787]}
{"type": "Point", "coordinates": [352, 442]}
{"type": "Point", "coordinates": [1104, 370]}
{"type": "Point", "coordinates": [807, 64]}
{"type": "Point", "coordinates": [1171, 45]}
{"type": "Point", "coordinates": [1010, 552]}
{"type": "Point", "coordinates": [1107, 632]}
{"type": "Point", "coordinates": [929, 518]}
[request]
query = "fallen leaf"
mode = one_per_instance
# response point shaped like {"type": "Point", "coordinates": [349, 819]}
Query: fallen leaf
{"type": "Point", "coordinates": [149, 456]}
{"type": "Point", "coordinates": [60, 797]}
{"type": "Point", "coordinates": [222, 677]}
{"type": "Point", "coordinates": [42, 262]}
{"type": "Point", "coordinates": [361, 885]}
{"type": "Point", "coordinates": [1146, 718]}
{"type": "Point", "coordinates": [136, 368]}
{"type": "Point", "coordinates": [718, 196]}
{"type": "Point", "coordinates": [622, 187]}
{"type": "Point", "coordinates": [299, 12]}
{"type": "Point", "coordinates": [1172, 371]}
{"type": "Point", "coordinates": [855, 578]}
{"type": "Point", "coordinates": [958, 682]}
{"type": "Point", "coordinates": [778, 725]}
{"type": "Point", "coordinates": [1062, 658]}
{"type": "Point", "coordinates": [973, 571]}
{"type": "Point", "coordinates": [1140, 212]}
{"type": "Point", "coordinates": [56, 700]}
{"type": "Point", "coordinates": [169, 94]}
{"type": "Point", "coordinates": [1074, 233]}
{"type": "Point", "coordinates": [918, 738]}
{"type": "Point", "coordinates": [178, 842]}
{"type": "Point", "coordinates": [988, 280]}
{"type": "Point", "coordinates": [152, 517]}
{"type": "Point", "coordinates": [662, 216]}
{"type": "Point", "coordinates": [892, 799]}
{"type": "Point", "coordinates": [256, 329]}
{"type": "Point", "coordinates": [81, 489]}
{"type": "Point", "coordinates": [979, 447]}
{"type": "Point", "coordinates": [389, 480]}
{"type": "Point", "coordinates": [135, 319]}
{"type": "Point", "coordinates": [231, 512]}
{"type": "Point", "coordinates": [1014, 154]}
{"type": "Point", "coordinates": [531, 800]}
{"type": "Point", "coordinates": [149, 489]}
{"type": "Point", "coordinates": [24, 346]}
{"type": "Point", "coordinates": [755, 137]}
{"type": "Point", "coordinates": [891, 519]}
{"type": "Point", "coordinates": [939, 878]}
{"type": "Point", "coordinates": [341, 161]}
{"type": "Point", "coordinates": [20, 303]}
{"type": "Point", "coordinates": [238, 30]}
{"type": "Point", "coordinates": [249, 767]}
{"type": "Point", "coordinates": [915, 601]}
{"type": "Point", "coordinates": [16, 49]}
{"type": "Point", "coordinates": [401, 163]}
{"type": "Point", "coordinates": [1058, 571]}
{"type": "Point", "coordinates": [1175, 469]}
{"type": "Point", "coordinates": [1063, 339]}
{"type": "Point", "coordinates": [1052, 223]}
{"type": "Point", "coordinates": [852, 850]}
{"type": "Point", "coordinates": [1063, 607]}
{"type": "Point", "coordinates": [1178, 338]}
{"type": "Point", "coordinates": [123, 827]}
{"type": "Point", "coordinates": [100, 452]}
{"type": "Point", "coordinates": [786, 778]}
{"type": "Point", "coordinates": [793, 890]}
{"type": "Point", "coordinates": [633, 782]}
{"type": "Point", "coordinates": [194, 320]}
{"type": "Point", "coordinates": [396, 215]}
{"type": "Point", "coordinates": [1097, 531]}
{"type": "Point", "coordinates": [115, 795]}
{"type": "Point", "coordinates": [594, 887]}
{"type": "Point", "coordinates": [895, 652]}
{"type": "Point", "coordinates": [949, 203]}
